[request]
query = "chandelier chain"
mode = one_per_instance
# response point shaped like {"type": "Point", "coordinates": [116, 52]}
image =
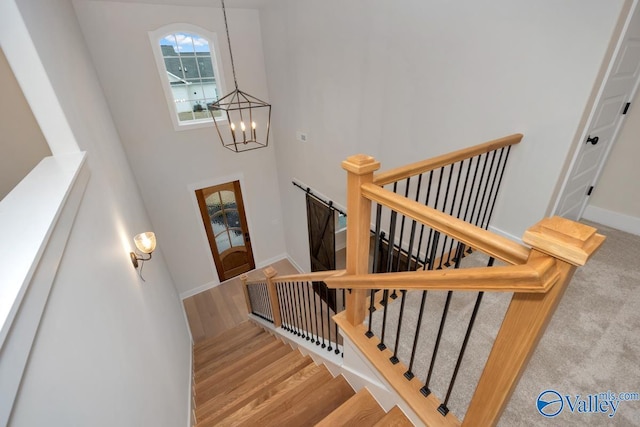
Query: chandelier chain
{"type": "Point", "coordinates": [226, 26]}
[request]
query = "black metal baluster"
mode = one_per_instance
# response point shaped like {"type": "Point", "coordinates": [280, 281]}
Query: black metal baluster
{"type": "Point", "coordinates": [310, 332]}
{"type": "Point", "coordinates": [475, 202]}
{"type": "Point", "coordinates": [286, 287]}
{"type": "Point", "coordinates": [374, 269]}
{"type": "Point", "coordinates": [486, 185]}
{"type": "Point", "coordinates": [299, 305]}
{"type": "Point", "coordinates": [504, 165]}
{"type": "Point", "coordinates": [292, 294]}
{"type": "Point", "coordinates": [294, 286]}
{"type": "Point", "coordinates": [444, 207]}
{"type": "Point", "coordinates": [425, 389]}
{"type": "Point", "coordinates": [409, 374]}
{"type": "Point", "coordinates": [326, 290]}
{"type": "Point", "coordinates": [426, 202]}
{"type": "Point", "coordinates": [435, 206]}
{"type": "Point", "coordinates": [315, 313]}
{"type": "Point", "coordinates": [321, 317]}
{"type": "Point", "coordinates": [385, 293]}
{"type": "Point", "coordinates": [472, 186]}
{"type": "Point", "coordinates": [443, 409]}
{"type": "Point", "coordinates": [283, 306]}
{"type": "Point", "coordinates": [270, 308]}
{"type": "Point", "coordinates": [414, 224]}
{"type": "Point", "coordinates": [464, 187]}
{"type": "Point", "coordinates": [406, 195]}
{"type": "Point", "coordinates": [491, 194]}
{"type": "Point", "coordinates": [453, 204]}
{"type": "Point", "coordinates": [394, 359]}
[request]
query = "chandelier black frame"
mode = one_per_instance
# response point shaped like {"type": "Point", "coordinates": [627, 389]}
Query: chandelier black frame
{"type": "Point", "coordinates": [252, 115]}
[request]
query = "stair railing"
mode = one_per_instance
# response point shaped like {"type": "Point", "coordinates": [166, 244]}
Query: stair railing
{"type": "Point", "coordinates": [445, 230]}
{"type": "Point", "coordinates": [537, 277]}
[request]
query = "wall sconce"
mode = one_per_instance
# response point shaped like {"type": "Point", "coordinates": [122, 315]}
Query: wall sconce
{"type": "Point", "coordinates": [146, 243]}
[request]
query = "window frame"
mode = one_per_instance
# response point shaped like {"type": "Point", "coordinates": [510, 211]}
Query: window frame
{"type": "Point", "coordinates": [211, 37]}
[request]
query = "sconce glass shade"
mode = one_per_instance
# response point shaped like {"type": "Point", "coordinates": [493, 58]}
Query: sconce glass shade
{"type": "Point", "coordinates": [145, 242]}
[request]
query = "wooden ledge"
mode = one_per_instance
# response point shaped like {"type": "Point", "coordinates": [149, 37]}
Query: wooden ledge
{"type": "Point", "coordinates": [478, 238]}
{"type": "Point", "coordinates": [317, 276]}
{"type": "Point", "coordinates": [423, 166]}
{"type": "Point", "coordinates": [537, 276]}
{"type": "Point", "coordinates": [562, 238]}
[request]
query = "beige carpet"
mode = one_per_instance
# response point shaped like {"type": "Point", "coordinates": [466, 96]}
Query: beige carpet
{"type": "Point", "coordinates": [591, 346]}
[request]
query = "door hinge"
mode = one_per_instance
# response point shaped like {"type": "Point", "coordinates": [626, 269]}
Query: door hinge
{"type": "Point", "coordinates": [626, 108]}
{"type": "Point", "coordinates": [590, 190]}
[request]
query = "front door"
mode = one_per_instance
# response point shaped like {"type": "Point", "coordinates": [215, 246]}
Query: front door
{"type": "Point", "coordinates": [222, 212]}
{"type": "Point", "coordinates": [610, 110]}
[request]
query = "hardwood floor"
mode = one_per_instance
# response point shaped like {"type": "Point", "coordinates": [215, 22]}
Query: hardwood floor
{"type": "Point", "coordinates": [278, 387]}
{"type": "Point", "coordinates": [216, 310]}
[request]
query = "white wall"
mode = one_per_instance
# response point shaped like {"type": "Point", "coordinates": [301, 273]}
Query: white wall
{"type": "Point", "coordinates": [411, 79]}
{"type": "Point", "coordinates": [167, 163]}
{"type": "Point", "coordinates": [22, 145]}
{"type": "Point", "coordinates": [110, 350]}
{"type": "Point", "coordinates": [615, 200]}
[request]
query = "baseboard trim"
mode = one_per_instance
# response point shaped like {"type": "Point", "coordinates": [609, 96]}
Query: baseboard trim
{"type": "Point", "coordinates": [612, 219]}
{"type": "Point", "coordinates": [272, 260]}
{"type": "Point", "coordinates": [295, 264]}
{"type": "Point", "coordinates": [265, 263]}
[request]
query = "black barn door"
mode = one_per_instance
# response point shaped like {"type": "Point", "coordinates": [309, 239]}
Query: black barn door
{"type": "Point", "coordinates": [322, 247]}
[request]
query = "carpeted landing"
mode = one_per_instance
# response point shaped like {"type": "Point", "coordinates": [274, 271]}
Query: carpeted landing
{"type": "Point", "coordinates": [591, 345]}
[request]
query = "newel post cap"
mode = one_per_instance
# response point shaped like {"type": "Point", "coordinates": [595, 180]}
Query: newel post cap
{"type": "Point", "coordinates": [360, 164]}
{"type": "Point", "coordinates": [270, 272]}
{"type": "Point", "coordinates": [562, 238]}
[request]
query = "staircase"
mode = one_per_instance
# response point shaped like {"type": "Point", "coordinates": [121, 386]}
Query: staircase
{"type": "Point", "coordinates": [246, 377]}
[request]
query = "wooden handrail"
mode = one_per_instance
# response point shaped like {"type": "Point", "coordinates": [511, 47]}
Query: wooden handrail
{"type": "Point", "coordinates": [537, 276]}
{"type": "Point", "coordinates": [317, 276]}
{"type": "Point", "coordinates": [416, 168]}
{"type": "Point", "coordinates": [471, 235]}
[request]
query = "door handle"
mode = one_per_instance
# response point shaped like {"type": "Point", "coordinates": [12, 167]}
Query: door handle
{"type": "Point", "coordinates": [593, 140]}
{"type": "Point", "coordinates": [246, 237]}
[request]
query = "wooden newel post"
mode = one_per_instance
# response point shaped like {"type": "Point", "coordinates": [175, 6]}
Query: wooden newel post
{"type": "Point", "coordinates": [571, 244]}
{"type": "Point", "coordinates": [360, 170]}
{"type": "Point", "coordinates": [270, 273]}
{"type": "Point", "coordinates": [247, 299]}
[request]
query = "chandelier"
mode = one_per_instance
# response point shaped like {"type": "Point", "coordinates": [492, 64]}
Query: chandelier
{"type": "Point", "coordinates": [248, 117]}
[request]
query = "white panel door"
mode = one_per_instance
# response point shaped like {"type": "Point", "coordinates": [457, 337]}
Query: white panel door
{"type": "Point", "coordinates": [619, 88]}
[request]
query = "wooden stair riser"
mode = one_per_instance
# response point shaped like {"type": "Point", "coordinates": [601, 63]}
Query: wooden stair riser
{"type": "Point", "coordinates": [360, 410]}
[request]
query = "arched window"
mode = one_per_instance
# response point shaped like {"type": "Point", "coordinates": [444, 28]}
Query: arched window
{"type": "Point", "coordinates": [186, 59]}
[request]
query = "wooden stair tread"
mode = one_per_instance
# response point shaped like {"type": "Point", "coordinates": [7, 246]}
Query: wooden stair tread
{"type": "Point", "coordinates": [251, 387]}
{"type": "Point", "coordinates": [307, 379]}
{"type": "Point", "coordinates": [268, 413]}
{"type": "Point", "coordinates": [222, 384]}
{"type": "Point", "coordinates": [316, 405]}
{"type": "Point", "coordinates": [230, 333]}
{"type": "Point", "coordinates": [394, 418]}
{"type": "Point", "coordinates": [360, 410]}
{"type": "Point", "coordinates": [233, 360]}
{"type": "Point", "coordinates": [204, 354]}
